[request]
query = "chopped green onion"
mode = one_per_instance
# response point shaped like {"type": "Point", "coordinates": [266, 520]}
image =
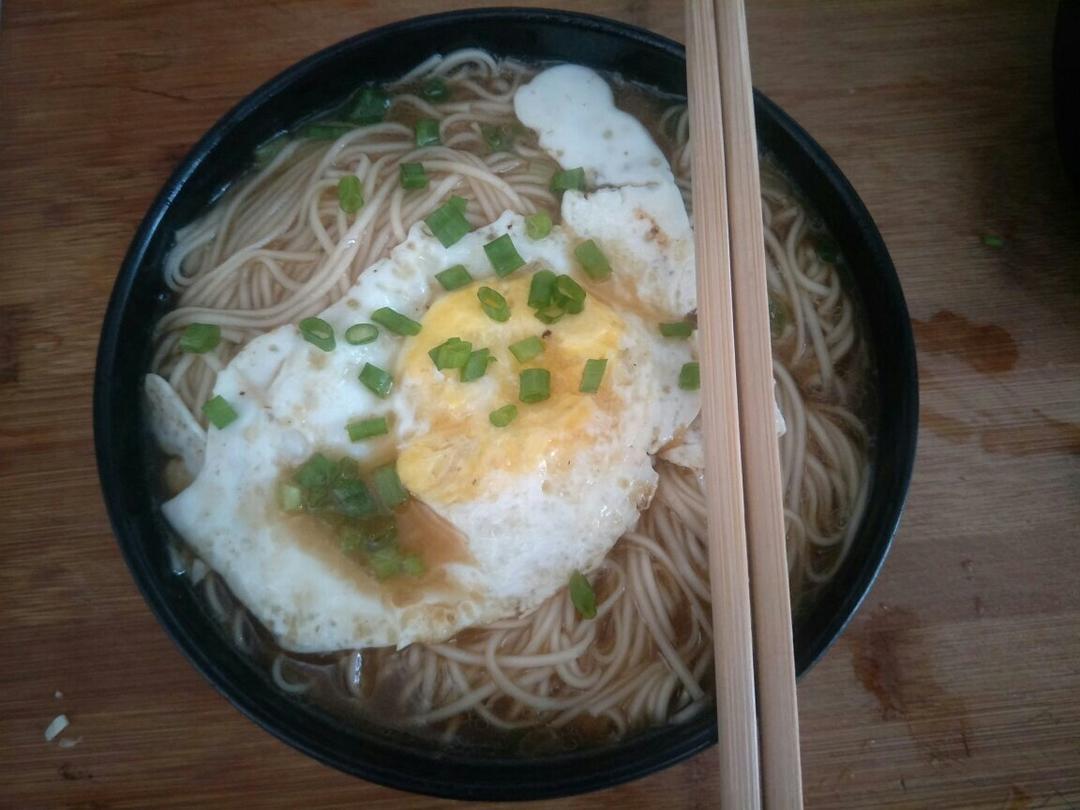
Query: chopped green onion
{"type": "Point", "coordinates": [677, 329]}
{"type": "Point", "coordinates": [503, 255]}
{"type": "Point", "coordinates": [501, 417]}
{"type": "Point", "coordinates": [370, 106]}
{"type": "Point", "coordinates": [568, 291]}
{"type": "Point", "coordinates": [353, 499]}
{"type": "Point", "coordinates": [827, 249]}
{"type": "Point", "coordinates": [493, 304]}
{"type": "Point", "coordinates": [379, 534]}
{"type": "Point", "coordinates": [460, 204]}
{"type": "Point", "coordinates": [534, 385]}
{"type": "Point", "coordinates": [435, 89]}
{"type": "Point", "coordinates": [318, 332]}
{"type": "Point", "coordinates": [360, 333]}
{"type": "Point", "coordinates": [348, 468]}
{"type": "Point", "coordinates": [538, 225]}
{"type": "Point", "coordinates": [378, 381]}
{"type": "Point", "coordinates": [367, 428]}
{"type": "Point", "coordinates": [582, 595]}
{"type": "Point", "coordinates": [569, 180]}
{"type": "Point", "coordinates": [448, 222]}
{"type": "Point", "coordinates": [541, 289]}
{"type": "Point", "coordinates": [200, 337]}
{"type": "Point", "coordinates": [268, 150]}
{"type": "Point", "coordinates": [592, 375]}
{"type": "Point", "coordinates": [454, 277]}
{"type": "Point", "coordinates": [412, 175]}
{"type": "Point", "coordinates": [572, 307]}
{"type": "Point", "coordinates": [592, 260]}
{"type": "Point", "coordinates": [412, 565]}
{"type": "Point", "coordinates": [324, 132]}
{"type": "Point", "coordinates": [389, 487]}
{"type": "Point", "coordinates": [315, 473]}
{"type": "Point", "coordinates": [499, 138]}
{"type": "Point", "coordinates": [219, 412]}
{"type": "Point", "coordinates": [526, 349]}
{"type": "Point", "coordinates": [291, 497]}
{"type": "Point", "coordinates": [778, 318]}
{"type": "Point", "coordinates": [427, 132]}
{"type": "Point", "coordinates": [395, 321]}
{"type": "Point", "coordinates": [690, 377]}
{"type": "Point", "coordinates": [454, 353]}
{"type": "Point", "coordinates": [349, 193]}
{"type": "Point", "coordinates": [386, 562]}
{"type": "Point", "coordinates": [550, 314]}
{"type": "Point", "coordinates": [476, 366]}
{"type": "Point", "coordinates": [992, 240]}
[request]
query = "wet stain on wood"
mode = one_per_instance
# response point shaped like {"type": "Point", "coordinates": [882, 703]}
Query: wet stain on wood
{"type": "Point", "coordinates": [1017, 434]}
{"type": "Point", "coordinates": [987, 348]}
{"type": "Point", "coordinates": [889, 661]}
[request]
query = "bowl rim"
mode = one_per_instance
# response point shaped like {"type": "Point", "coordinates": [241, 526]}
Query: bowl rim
{"type": "Point", "coordinates": [517, 781]}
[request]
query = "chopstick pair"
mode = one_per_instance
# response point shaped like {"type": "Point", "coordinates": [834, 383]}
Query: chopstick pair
{"type": "Point", "coordinates": [756, 703]}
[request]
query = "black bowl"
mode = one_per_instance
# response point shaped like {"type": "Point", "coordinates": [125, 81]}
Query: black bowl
{"type": "Point", "coordinates": [140, 297]}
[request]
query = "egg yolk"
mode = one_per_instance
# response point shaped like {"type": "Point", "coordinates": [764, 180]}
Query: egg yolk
{"type": "Point", "coordinates": [457, 454]}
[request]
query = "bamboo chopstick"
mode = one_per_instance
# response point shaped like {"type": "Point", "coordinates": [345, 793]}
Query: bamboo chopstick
{"type": "Point", "coordinates": [740, 436]}
{"type": "Point", "coordinates": [728, 567]}
{"type": "Point", "coordinates": [778, 714]}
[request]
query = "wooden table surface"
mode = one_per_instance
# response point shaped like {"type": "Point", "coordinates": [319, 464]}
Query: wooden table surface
{"type": "Point", "coordinates": [958, 684]}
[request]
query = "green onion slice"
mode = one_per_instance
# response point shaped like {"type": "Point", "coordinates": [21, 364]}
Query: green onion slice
{"type": "Point", "coordinates": [324, 132]}
{"type": "Point", "coordinates": [501, 417]}
{"type": "Point", "coordinates": [219, 412]}
{"type": "Point", "coordinates": [568, 291]}
{"type": "Point", "coordinates": [396, 322]}
{"type": "Point", "coordinates": [592, 375]}
{"type": "Point", "coordinates": [389, 487]}
{"type": "Point", "coordinates": [550, 314]}
{"type": "Point", "coordinates": [499, 138]}
{"type": "Point", "coordinates": [454, 353]}
{"type": "Point", "coordinates": [318, 332]}
{"type": "Point", "coordinates": [454, 277]}
{"type": "Point", "coordinates": [493, 304]}
{"type": "Point", "coordinates": [367, 428]}
{"type": "Point", "coordinates": [569, 180]}
{"type": "Point", "coordinates": [291, 497]}
{"type": "Point", "coordinates": [526, 349]}
{"type": "Point", "coordinates": [435, 89]}
{"type": "Point", "coordinates": [352, 499]}
{"type": "Point", "coordinates": [350, 194]}
{"type": "Point", "coordinates": [413, 175]}
{"type": "Point", "coordinates": [541, 289]}
{"type": "Point", "coordinates": [315, 473]}
{"type": "Point", "coordinates": [412, 565]}
{"type": "Point", "coordinates": [592, 260]}
{"type": "Point", "coordinates": [378, 381]}
{"type": "Point", "coordinates": [992, 240]}
{"type": "Point", "coordinates": [538, 225]}
{"type": "Point", "coordinates": [268, 150]}
{"type": "Point", "coordinates": [476, 366]}
{"type": "Point", "coordinates": [460, 204]}
{"type": "Point", "coordinates": [582, 595]}
{"type": "Point", "coordinates": [360, 333]}
{"type": "Point", "coordinates": [427, 132]}
{"type": "Point", "coordinates": [386, 562]}
{"type": "Point", "coordinates": [448, 222]}
{"type": "Point", "coordinates": [370, 106]}
{"type": "Point", "coordinates": [677, 329]}
{"type": "Point", "coordinates": [534, 385]}
{"type": "Point", "coordinates": [199, 338]}
{"type": "Point", "coordinates": [503, 255]}
{"type": "Point", "coordinates": [690, 377]}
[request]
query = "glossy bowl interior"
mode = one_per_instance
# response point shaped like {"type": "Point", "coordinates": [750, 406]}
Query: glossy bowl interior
{"type": "Point", "coordinates": [140, 297]}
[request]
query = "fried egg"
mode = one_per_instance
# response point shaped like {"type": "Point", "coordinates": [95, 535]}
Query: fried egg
{"type": "Point", "coordinates": [500, 515]}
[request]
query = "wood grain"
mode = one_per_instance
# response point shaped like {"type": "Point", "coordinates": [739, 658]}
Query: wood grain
{"type": "Point", "coordinates": [958, 684]}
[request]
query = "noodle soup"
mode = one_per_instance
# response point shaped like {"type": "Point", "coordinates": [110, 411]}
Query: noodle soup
{"type": "Point", "coordinates": [584, 664]}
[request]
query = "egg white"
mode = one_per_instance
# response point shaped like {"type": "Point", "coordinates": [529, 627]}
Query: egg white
{"type": "Point", "coordinates": [523, 529]}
